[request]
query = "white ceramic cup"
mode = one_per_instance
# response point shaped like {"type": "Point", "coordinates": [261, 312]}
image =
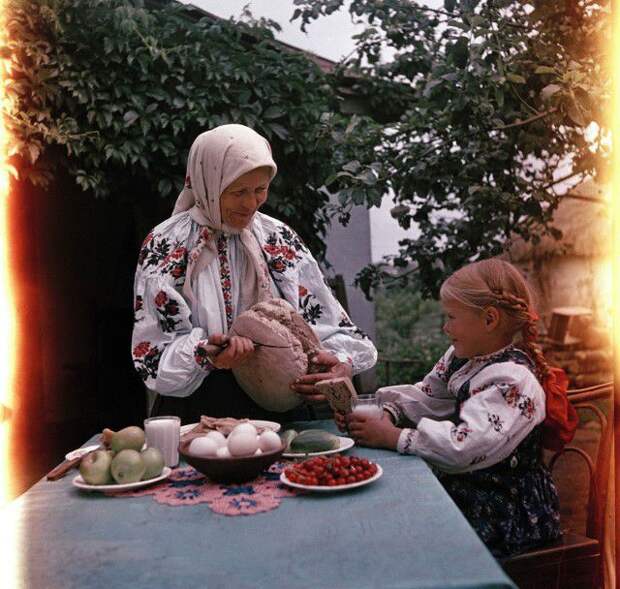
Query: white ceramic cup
{"type": "Point", "coordinates": [164, 432]}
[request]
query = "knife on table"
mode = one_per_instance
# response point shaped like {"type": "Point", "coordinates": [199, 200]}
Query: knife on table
{"type": "Point", "coordinates": [72, 460]}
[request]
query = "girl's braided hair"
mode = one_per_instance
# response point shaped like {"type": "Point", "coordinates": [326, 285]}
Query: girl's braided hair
{"type": "Point", "coordinates": [497, 283]}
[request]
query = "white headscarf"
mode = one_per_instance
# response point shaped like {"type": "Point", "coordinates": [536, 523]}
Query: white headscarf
{"type": "Point", "coordinates": [216, 159]}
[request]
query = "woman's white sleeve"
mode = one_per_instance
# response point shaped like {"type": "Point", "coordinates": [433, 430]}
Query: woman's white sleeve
{"type": "Point", "coordinates": [168, 352]}
{"type": "Point", "coordinates": [506, 402]}
{"type": "Point", "coordinates": [408, 403]}
{"type": "Point", "coordinates": [337, 333]}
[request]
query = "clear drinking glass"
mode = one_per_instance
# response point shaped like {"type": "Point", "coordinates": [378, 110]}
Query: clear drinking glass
{"type": "Point", "coordinates": [367, 406]}
{"type": "Point", "coordinates": [164, 432]}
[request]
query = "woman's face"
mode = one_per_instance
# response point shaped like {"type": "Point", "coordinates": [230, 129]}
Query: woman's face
{"type": "Point", "coordinates": [241, 199]}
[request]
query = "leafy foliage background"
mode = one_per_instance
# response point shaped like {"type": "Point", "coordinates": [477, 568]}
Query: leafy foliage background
{"type": "Point", "coordinates": [409, 333]}
{"type": "Point", "coordinates": [113, 92]}
{"type": "Point", "coordinates": [484, 108]}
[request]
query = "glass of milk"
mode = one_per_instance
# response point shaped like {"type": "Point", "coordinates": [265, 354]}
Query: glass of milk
{"type": "Point", "coordinates": [164, 433]}
{"type": "Point", "coordinates": [367, 406]}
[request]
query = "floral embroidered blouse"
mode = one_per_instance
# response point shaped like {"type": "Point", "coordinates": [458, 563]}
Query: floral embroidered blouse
{"type": "Point", "coordinates": [170, 332]}
{"type": "Point", "coordinates": [505, 403]}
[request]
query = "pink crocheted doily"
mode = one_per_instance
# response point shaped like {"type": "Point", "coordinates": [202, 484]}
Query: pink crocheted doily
{"type": "Point", "coordinates": [186, 486]}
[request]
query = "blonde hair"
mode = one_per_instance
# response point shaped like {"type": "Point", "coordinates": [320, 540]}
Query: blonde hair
{"type": "Point", "coordinates": [497, 283]}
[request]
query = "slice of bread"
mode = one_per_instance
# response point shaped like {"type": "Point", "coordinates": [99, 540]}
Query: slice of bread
{"type": "Point", "coordinates": [339, 393]}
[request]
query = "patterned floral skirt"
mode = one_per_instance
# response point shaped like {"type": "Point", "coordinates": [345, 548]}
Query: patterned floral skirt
{"type": "Point", "coordinates": [512, 510]}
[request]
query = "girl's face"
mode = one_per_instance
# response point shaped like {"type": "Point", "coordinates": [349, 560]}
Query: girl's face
{"type": "Point", "coordinates": [467, 328]}
{"type": "Point", "coordinates": [241, 199]}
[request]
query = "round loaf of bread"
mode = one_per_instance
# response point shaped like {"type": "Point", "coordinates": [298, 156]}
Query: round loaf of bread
{"type": "Point", "coordinates": [267, 374]}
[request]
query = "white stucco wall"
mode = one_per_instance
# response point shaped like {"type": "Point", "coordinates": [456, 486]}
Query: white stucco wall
{"type": "Point", "coordinates": [348, 251]}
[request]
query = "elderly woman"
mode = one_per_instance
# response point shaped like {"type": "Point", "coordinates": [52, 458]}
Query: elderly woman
{"type": "Point", "coordinates": [214, 258]}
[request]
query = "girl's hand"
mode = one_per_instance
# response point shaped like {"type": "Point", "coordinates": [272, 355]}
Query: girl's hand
{"type": "Point", "coordinates": [238, 349]}
{"type": "Point", "coordinates": [341, 421]}
{"type": "Point", "coordinates": [329, 367]}
{"type": "Point", "coordinates": [377, 433]}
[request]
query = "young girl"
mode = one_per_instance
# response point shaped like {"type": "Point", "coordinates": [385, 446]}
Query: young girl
{"type": "Point", "coordinates": [476, 416]}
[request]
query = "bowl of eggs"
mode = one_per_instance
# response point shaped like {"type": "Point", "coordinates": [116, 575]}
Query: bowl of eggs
{"type": "Point", "coordinates": [241, 456]}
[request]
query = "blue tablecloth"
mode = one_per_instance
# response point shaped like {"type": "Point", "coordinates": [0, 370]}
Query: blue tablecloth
{"type": "Point", "coordinates": [403, 531]}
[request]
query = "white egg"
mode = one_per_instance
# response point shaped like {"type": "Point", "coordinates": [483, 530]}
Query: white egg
{"type": "Point", "coordinates": [203, 446]}
{"type": "Point", "coordinates": [258, 452]}
{"type": "Point", "coordinates": [223, 452]}
{"type": "Point", "coordinates": [243, 428]}
{"type": "Point", "coordinates": [242, 444]}
{"type": "Point", "coordinates": [217, 437]}
{"type": "Point", "coordinates": [269, 441]}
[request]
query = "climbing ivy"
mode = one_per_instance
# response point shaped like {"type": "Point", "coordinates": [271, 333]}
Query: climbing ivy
{"type": "Point", "coordinates": [113, 92]}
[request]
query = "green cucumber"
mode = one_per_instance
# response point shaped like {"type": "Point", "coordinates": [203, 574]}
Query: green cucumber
{"type": "Point", "coordinates": [287, 437]}
{"type": "Point", "coordinates": [314, 440]}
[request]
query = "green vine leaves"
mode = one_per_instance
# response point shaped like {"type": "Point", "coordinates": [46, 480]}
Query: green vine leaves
{"type": "Point", "coordinates": [113, 92]}
{"type": "Point", "coordinates": [477, 110]}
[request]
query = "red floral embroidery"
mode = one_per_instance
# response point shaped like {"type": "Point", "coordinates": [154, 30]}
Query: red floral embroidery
{"type": "Point", "coordinates": [526, 406]}
{"type": "Point", "coordinates": [225, 279]}
{"type": "Point", "coordinates": [441, 370]}
{"type": "Point", "coordinates": [146, 360]}
{"type": "Point", "coordinates": [282, 249]}
{"type": "Point", "coordinates": [510, 393]}
{"type": "Point", "coordinates": [459, 433]}
{"type": "Point", "coordinates": [477, 390]}
{"type": "Point", "coordinates": [154, 249]}
{"type": "Point", "coordinates": [309, 305]}
{"type": "Point", "coordinates": [175, 263]}
{"type": "Point", "coordinates": [163, 256]}
{"type": "Point", "coordinates": [141, 349]}
{"type": "Point", "coordinates": [427, 390]}
{"type": "Point", "coordinates": [161, 299]}
{"type": "Point", "coordinates": [167, 309]}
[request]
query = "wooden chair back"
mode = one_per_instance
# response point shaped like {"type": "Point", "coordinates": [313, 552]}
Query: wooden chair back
{"type": "Point", "coordinates": [584, 401]}
{"type": "Point", "coordinates": [575, 562]}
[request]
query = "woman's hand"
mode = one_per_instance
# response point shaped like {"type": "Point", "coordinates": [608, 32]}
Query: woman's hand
{"type": "Point", "coordinates": [237, 350]}
{"type": "Point", "coordinates": [377, 433]}
{"type": "Point", "coordinates": [329, 367]}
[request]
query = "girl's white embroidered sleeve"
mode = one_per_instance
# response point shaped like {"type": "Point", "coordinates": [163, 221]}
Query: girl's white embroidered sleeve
{"type": "Point", "coordinates": [407, 403]}
{"type": "Point", "coordinates": [320, 309]}
{"type": "Point", "coordinates": [506, 402]}
{"type": "Point", "coordinates": [168, 352]}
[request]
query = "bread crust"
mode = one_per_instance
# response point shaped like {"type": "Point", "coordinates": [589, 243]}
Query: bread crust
{"type": "Point", "coordinates": [339, 392]}
{"type": "Point", "coordinates": [267, 374]}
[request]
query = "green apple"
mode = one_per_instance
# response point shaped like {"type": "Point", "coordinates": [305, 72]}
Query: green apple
{"type": "Point", "coordinates": [95, 468]}
{"type": "Point", "coordinates": [129, 438]}
{"type": "Point", "coordinates": [127, 466]}
{"type": "Point", "coordinates": [154, 463]}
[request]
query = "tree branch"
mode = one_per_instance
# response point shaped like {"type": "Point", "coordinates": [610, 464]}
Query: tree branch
{"type": "Point", "coordinates": [527, 121]}
{"type": "Point", "coordinates": [456, 14]}
{"type": "Point", "coordinates": [567, 177]}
